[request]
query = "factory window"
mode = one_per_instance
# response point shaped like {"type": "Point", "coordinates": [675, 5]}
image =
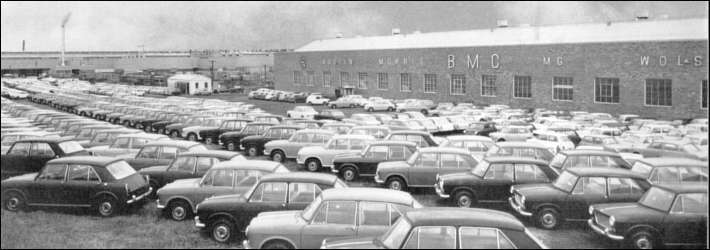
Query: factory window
{"type": "Point", "coordinates": [297, 77]}
{"type": "Point", "coordinates": [704, 91]}
{"type": "Point", "coordinates": [522, 87]}
{"type": "Point", "coordinates": [327, 79]}
{"type": "Point", "coordinates": [429, 83]}
{"type": "Point", "coordinates": [659, 92]}
{"type": "Point", "coordinates": [405, 82]}
{"type": "Point", "coordinates": [362, 80]}
{"type": "Point", "coordinates": [382, 81]}
{"type": "Point", "coordinates": [345, 79]}
{"type": "Point", "coordinates": [205, 84]}
{"type": "Point", "coordinates": [488, 85]}
{"type": "Point", "coordinates": [458, 84]}
{"type": "Point", "coordinates": [197, 85]}
{"type": "Point", "coordinates": [311, 78]}
{"type": "Point", "coordinates": [606, 90]}
{"type": "Point", "coordinates": [562, 89]}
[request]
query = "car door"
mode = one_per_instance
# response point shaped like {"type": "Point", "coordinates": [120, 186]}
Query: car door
{"type": "Point", "coordinates": [299, 140]}
{"type": "Point", "coordinates": [301, 194]}
{"type": "Point", "coordinates": [687, 220]}
{"type": "Point", "coordinates": [452, 163]}
{"type": "Point", "coordinates": [375, 218]}
{"type": "Point", "coordinates": [424, 170]}
{"type": "Point", "coordinates": [167, 154]}
{"type": "Point", "coordinates": [40, 153]}
{"type": "Point", "coordinates": [82, 182]}
{"type": "Point", "coordinates": [181, 168]}
{"type": "Point", "coordinates": [146, 157]}
{"type": "Point", "coordinates": [367, 165]}
{"type": "Point", "coordinates": [498, 179]}
{"type": "Point", "coordinates": [333, 219]}
{"type": "Point", "coordinates": [15, 161]}
{"type": "Point", "coordinates": [623, 190]}
{"type": "Point", "coordinates": [217, 182]}
{"type": "Point", "coordinates": [589, 190]}
{"type": "Point", "coordinates": [440, 237]}
{"type": "Point", "coordinates": [268, 196]}
{"type": "Point", "coordinates": [48, 186]}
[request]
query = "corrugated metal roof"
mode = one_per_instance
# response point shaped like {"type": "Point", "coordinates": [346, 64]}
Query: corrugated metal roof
{"type": "Point", "coordinates": [644, 30]}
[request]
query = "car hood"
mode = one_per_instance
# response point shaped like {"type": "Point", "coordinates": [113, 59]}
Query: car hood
{"type": "Point", "coordinates": [312, 150]}
{"type": "Point", "coordinates": [275, 143]}
{"type": "Point", "coordinates": [153, 169]}
{"type": "Point", "coordinates": [631, 212]}
{"type": "Point", "coordinates": [459, 178]}
{"type": "Point", "coordinates": [21, 178]}
{"type": "Point", "coordinates": [542, 190]}
{"type": "Point", "coordinates": [357, 243]}
{"type": "Point", "coordinates": [276, 219]}
{"type": "Point", "coordinates": [183, 183]}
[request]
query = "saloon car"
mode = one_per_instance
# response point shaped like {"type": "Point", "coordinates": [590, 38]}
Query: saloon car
{"type": "Point", "coordinates": [316, 157]}
{"type": "Point", "coordinates": [672, 170]}
{"type": "Point", "coordinates": [422, 139]}
{"type": "Point", "coordinates": [477, 145]}
{"type": "Point", "coordinates": [30, 155]}
{"type": "Point", "coordinates": [521, 149]}
{"type": "Point", "coordinates": [329, 114]}
{"type": "Point", "coordinates": [126, 144]}
{"type": "Point", "coordinates": [160, 152]}
{"type": "Point", "coordinates": [511, 133]}
{"type": "Point", "coordinates": [254, 144]}
{"type": "Point", "coordinates": [280, 150]}
{"type": "Point", "coordinates": [231, 140]}
{"type": "Point", "coordinates": [588, 158]}
{"type": "Point", "coordinates": [422, 168]}
{"type": "Point", "coordinates": [364, 163]}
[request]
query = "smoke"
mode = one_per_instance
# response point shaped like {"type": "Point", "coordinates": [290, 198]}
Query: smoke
{"type": "Point", "coordinates": [66, 19]}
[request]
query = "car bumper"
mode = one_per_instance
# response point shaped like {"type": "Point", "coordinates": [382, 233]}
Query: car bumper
{"type": "Point", "coordinates": [198, 223]}
{"type": "Point", "coordinates": [139, 197]}
{"type": "Point", "coordinates": [602, 231]}
{"type": "Point", "coordinates": [245, 244]}
{"type": "Point", "coordinates": [378, 180]}
{"type": "Point", "coordinates": [517, 208]}
{"type": "Point", "coordinates": [440, 192]}
{"type": "Point", "coordinates": [333, 170]}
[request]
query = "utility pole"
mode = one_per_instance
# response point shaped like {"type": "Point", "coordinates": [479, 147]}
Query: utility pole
{"type": "Point", "coordinates": [212, 72]}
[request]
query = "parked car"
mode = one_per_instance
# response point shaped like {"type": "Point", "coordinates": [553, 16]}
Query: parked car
{"type": "Point", "coordinates": [104, 184]}
{"type": "Point", "coordinates": [210, 136]}
{"type": "Point", "coordinates": [422, 139]}
{"type": "Point", "coordinates": [350, 166]}
{"type": "Point", "coordinates": [316, 100]}
{"type": "Point", "coordinates": [254, 144]}
{"type": "Point", "coordinates": [553, 141]}
{"type": "Point", "coordinates": [231, 140]}
{"type": "Point", "coordinates": [126, 144]}
{"type": "Point", "coordinates": [179, 198]}
{"type": "Point", "coordinates": [226, 216]}
{"type": "Point", "coordinates": [280, 150]}
{"type": "Point", "coordinates": [338, 127]}
{"type": "Point", "coordinates": [588, 158]}
{"type": "Point", "coordinates": [305, 112]}
{"type": "Point", "coordinates": [415, 105]}
{"type": "Point", "coordinates": [672, 170]}
{"type": "Point", "coordinates": [362, 120]}
{"type": "Point", "coordinates": [520, 149]}
{"type": "Point", "coordinates": [10, 138]}
{"type": "Point", "coordinates": [379, 132]}
{"type": "Point", "coordinates": [569, 196]}
{"type": "Point", "coordinates": [413, 125]}
{"type": "Point", "coordinates": [512, 133]}
{"type": "Point", "coordinates": [667, 215]}
{"type": "Point", "coordinates": [344, 102]}
{"type": "Point", "coordinates": [449, 228]}
{"type": "Point", "coordinates": [316, 157]}
{"type": "Point", "coordinates": [668, 148]}
{"type": "Point", "coordinates": [106, 137]}
{"type": "Point", "coordinates": [332, 214]}
{"type": "Point", "coordinates": [422, 168]}
{"type": "Point", "coordinates": [30, 155]}
{"type": "Point", "coordinates": [329, 114]}
{"type": "Point", "coordinates": [477, 145]}
{"type": "Point", "coordinates": [160, 152]}
{"type": "Point", "coordinates": [491, 179]}
{"type": "Point", "coordinates": [379, 105]}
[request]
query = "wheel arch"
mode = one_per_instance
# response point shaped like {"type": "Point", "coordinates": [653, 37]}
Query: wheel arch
{"type": "Point", "coordinates": [180, 197]}
{"type": "Point", "coordinates": [104, 193]}
{"type": "Point", "coordinates": [277, 238]}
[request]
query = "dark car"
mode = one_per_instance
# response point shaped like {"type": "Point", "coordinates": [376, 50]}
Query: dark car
{"type": "Point", "coordinates": [104, 184]}
{"type": "Point", "coordinates": [481, 128]}
{"type": "Point", "coordinates": [160, 126]}
{"type": "Point", "coordinates": [672, 170]}
{"type": "Point", "coordinates": [330, 114]}
{"type": "Point", "coordinates": [210, 136]}
{"type": "Point", "coordinates": [520, 149]}
{"type": "Point", "coordinates": [447, 228]}
{"type": "Point", "coordinates": [491, 179]}
{"type": "Point", "coordinates": [364, 163]}
{"type": "Point", "coordinates": [666, 216]}
{"type": "Point", "coordinates": [231, 140]}
{"type": "Point", "coordinates": [569, 197]}
{"type": "Point", "coordinates": [422, 168]}
{"type": "Point", "coordinates": [226, 215]}
{"type": "Point", "coordinates": [30, 155]}
{"type": "Point", "coordinates": [588, 158]}
{"type": "Point", "coordinates": [162, 152]}
{"type": "Point", "coordinates": [187, 165]}
{"type": "Point", "coordinates": [254, 144]}
{"type": "Point", "coordinates": [146, 123]}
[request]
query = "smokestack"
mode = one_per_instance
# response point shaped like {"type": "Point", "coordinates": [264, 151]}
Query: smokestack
{"type": "Point", "coordinates": [64, 23]}
{"type": "Point", "coordinates": [23, 45]}
{"type": "Point", "coordinates": [396, 31]}
{"type": "Point", "coordinates": [502, 23]}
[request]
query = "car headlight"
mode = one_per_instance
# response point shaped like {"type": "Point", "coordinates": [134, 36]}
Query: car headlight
{"type": "Point", "coordinates": [612, 220]}
{"type": "Point", "coordinates": [591, 210]}
{"type": "Point", "coordinates": [511, 189]}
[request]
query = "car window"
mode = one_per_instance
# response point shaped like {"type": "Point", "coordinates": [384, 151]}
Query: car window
{"type": "Point", "coordinates": [427, 160]}
{"type": "Point", "coordinates": [302, 137]}
{"type": "Point", "coordinates": [454, 161]}
{"type": "Point", "coordinates": [321, 138]}
{"type": "Point", "coordinates": [529, 172]}
{"type": "Point", "coordinates": [270, 192]}
{"type": "Point", "coordinates": [432, 237]}
{"type": "Point", "coordinates": [183, 164]}
{"type": "Point", "coordinates": [576, 161]}
{"type": "Point", "coordinates": [642, 168]}
{"type": "Point", "coordinates": [41, 149]}
{"type": "Point", "coordinates": [357, 144]}
{"type": "Point", "coordinates": [120, 143]}
{"type": "Point", "coordinates": [500, 171]}
{"type": "Point", "coordinates": [336, 212]}
{"type": "Point", "coordinates": [274, 133]}
{"type": "Point", "coordinates": [665, 175]}
{"type": "Point", "coordinates": [693, 174]}
{"type": "Point", "coordinates": [22, 149]}
{"type": "Point", "coordinates": [247, 178]}
{"type": "Point", "coordinates": [374, 214]}
{"type": "Point", "coordinates": [398, 138]}
{"type": "Point", "coordinates": [219, 178]}
{"type": "Point", "coordinates": [69, 147]}
{"type": "Point", "coordinates": [477, 146]}
{"type": "Point", "coordinates": [205, 163]}
{"type": "Point", "coordinates": [483, 238]}
{"type": "Point", "coordinates": [377, 153]}
{"type": "Point", "coordinates": [168, 153]}
{"type": "Point", "coordinates": [623, 186]}
{"type": "Point", "coordinates": [339, 144]}
{"type": "Point", "coordinates": [399, 153]}
{"type": "Point", "coordinates": [302, 192]}
{"type": "Point", "coordinates": [139, 142]}
{"type": "Point", "coordinates": [691, 203]}
{"type": "Point", "coordinates": [53, 172]}
{"type": "Point", "coordinates": [150, 152]}
{"type": "Point", "coordinates": [82, 173]}
{"type": "Point", "coordinates": [591, 186]}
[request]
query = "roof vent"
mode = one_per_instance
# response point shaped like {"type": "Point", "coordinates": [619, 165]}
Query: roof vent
{"type": "Point", "coordinates": [643, 15]}
{"type": "Point", "coordinates": [396, 31]}
{"type": "Point", "coordinates": [339, 35]}
{"type": "Point", "coordinates": [502, 23]}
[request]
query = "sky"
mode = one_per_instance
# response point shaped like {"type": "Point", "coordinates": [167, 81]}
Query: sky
{"type": "Point", "coordinates": [96, 26]}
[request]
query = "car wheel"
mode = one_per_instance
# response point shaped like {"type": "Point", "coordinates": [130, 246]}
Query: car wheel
{"type": "Point", "coordinates": [352, 105]}
{"type": "Point", "coordinates": [548, 218]}
{"type": "Point", "coordinates": [333, 106]}
{"type": "Point", "coordinates": [313, 165]}
{"type": "Point", "coordinates": [278, 156]}
{"type": "Point", "coordinates": [222, 231]}
{"type": "Point", "coordinates": [175, 134]}
{"type": "Point", "coordinates": [424, 111]}
{"type": "Point", "coordinates": [106, 206]}
{"type": "Point", "coordinates": [310, 103]}
{"type": "Point", "coordinates": [396, 183]}
{"type": "Point", "coordinates": [127, 123]}
{"type": "Point", "coordinates": [208, 140]}
{"type": "Point", "coordinates": [161, 131]}
{"type": "Point", "coordinates": [231, 146]}
{"type": "Point", "coordinates": [465, 199]}
{"type": "Point", "coordinates": [277, 244]}
{"type": "Point", "coordinates": [370, 110]}
{"type": "Point", "coordinates": [179, 210]}
{"type": "Point", "coordinates": [192, 137]}
{"type": "Point", "coordinates": [643, 240]}
{"type": "Point", "coordinates": [14, 202]}
{"type": "Point", "coordinates": [349, 174]}
{"type": "Point", "coordinates": [252, 150]}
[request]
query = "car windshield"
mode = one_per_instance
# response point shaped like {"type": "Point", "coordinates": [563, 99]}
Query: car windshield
{"type": "Point", "coordinates": [691, 148]}
{"type": "Point", "coordinates": [480, 168]}
{"type": "Point", "coordinates": [558, 160]}
{"type": "Point", "coordinates": [565, 181]}
{"type": "Point", "coordinates": [393, 238]}
{"type": "Point", "coordinates": [413, 158]}
{"type": "Point", "coordinates": [642, 168]}
{"type": "Point", "coordinates": [70, 147]}
{"type": "Point", "coordinates": [120, 170]}
{"type": "Point", "coordinates": [311, 209]}
{"type": "Point", "coordinates": [657, 198]}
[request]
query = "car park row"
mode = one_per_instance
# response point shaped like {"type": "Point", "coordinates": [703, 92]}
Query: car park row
{"type": "Point", "coordinates": [634, 180]}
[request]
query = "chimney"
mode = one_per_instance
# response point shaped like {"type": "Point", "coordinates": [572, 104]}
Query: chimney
{"type": "Point", "coordinates": [643, 15]}
{"type": "Point", "coordinates": [23, 45]}
{"type": "Point", "coordinates": [339, 35]}
{"type": "Point", "coordinates": [502, 23]}
{"type": "Point", "coordinates": [395, 31]}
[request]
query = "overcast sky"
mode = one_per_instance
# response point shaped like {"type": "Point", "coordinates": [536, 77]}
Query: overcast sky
{"type": "Point", "coordinates": [251, 25]}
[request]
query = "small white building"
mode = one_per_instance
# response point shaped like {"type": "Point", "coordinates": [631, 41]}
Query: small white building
{"type": "Point", "coordinates": [190, 84]}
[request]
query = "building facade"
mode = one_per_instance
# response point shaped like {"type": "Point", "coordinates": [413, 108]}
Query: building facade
{"type": "Point", "coordinates": [644, 72]}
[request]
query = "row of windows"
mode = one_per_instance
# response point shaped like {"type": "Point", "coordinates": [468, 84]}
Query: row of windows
{"type": "Point", "coordinates": [658, 92]}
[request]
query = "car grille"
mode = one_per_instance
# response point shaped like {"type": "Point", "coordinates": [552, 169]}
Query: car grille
{"type": "Point", "coordinates": [518, 199]}
{"type": "Point", "coordinates": [601, 219]}
{"type": "Point", "coordinates": [140, 191]}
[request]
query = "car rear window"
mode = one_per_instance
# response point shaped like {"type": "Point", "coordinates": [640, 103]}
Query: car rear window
{"type": "Point", "coordinates": [642, 168]}
{"type": "Point", "coordinates": [120, 170]}
{"type": "Point", "coordinates": [70, 147]}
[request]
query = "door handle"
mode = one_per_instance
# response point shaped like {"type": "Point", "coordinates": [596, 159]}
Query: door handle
{"type": "Point", "coordinates": [283, 205]}
{"type": "Point", "coordinates": [350, 229]}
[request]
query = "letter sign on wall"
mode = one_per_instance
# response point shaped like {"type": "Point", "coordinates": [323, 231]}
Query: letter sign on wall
{"type": "Point", "coordinates": [472, 64]}
{"type": "Point", "coordinates": [495, 61]}
{"type": "Point", "coordinates": [452, 64]}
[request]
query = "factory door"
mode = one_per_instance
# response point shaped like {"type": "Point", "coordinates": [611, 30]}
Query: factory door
{"type": "Point", "coordinates": [347, 91]}
{"type": "Point", "coordinates": [182, 87]}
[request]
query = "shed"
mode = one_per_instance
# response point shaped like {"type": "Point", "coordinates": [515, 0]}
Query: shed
{"type": "Point", "coordinates": [190, 84]}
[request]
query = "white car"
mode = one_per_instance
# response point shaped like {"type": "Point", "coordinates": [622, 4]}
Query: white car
{"type": "Point", "coordinates": [443, 124]}
{"type": "Point", "coordinates": [305, 112]}
{"type": "Point", "coordinates": [553, 141]}
{"type": "Point", "coordinates": [317, 100]}
{"type": "Point", "coordinates": [379, 105]}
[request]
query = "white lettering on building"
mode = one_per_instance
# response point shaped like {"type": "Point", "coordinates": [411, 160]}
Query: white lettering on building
{"type": "Point", "coordinates": [698, 61]}
{"type": "Point", "coordinates": [452, 64]}
{"type": "Point", "coordinates": [662, 60]}
{"type": "Point", "coordinates": [546, 60]}
{"type": "Point", "coordinates": [472, 64]}
{"type": "Point", "coordinates": [644, 60]}
{"type": "Point", "coordinates": [495, 61]}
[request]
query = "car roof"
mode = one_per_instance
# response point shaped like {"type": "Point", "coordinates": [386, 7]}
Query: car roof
{"type": "Point", "coordinates": [670, 141]}
{"type": "Point", "coordinates": [371, 127]}
{"type": "Point", "coordinates": [515, 159]}
{"type": "Point", "coordinates": [444, 150]}
{"type": "Point", "coordinates": [323, 131]}
{"type": "Point", "coordinates": [248, 164]}
{"type": "Point", "coordinates": [319, 178]}
{"type": "Point", "coordinates": [405, 143]}
{"type": "Point", "coordinates": [409, 132]}
{"type": "Point", "coordinates": [519, 144]}
{"type": "Point", "coordinates": [465, 217]}
{"type": "Point", "coordinates": [368, 194]}
{"type": "Point", "coordinates": [589, 152]}
{"type": "Point", "coordinates": [468, 138]}
{"type": "Point", "coordinates": [87, 160]}
{"type": "Point", "coordinates": [142, 135]}
{"type": "Point", "coordinates": [363, 137]}
{"type": "Point", "coordinates": [259, 124]}
{"type": "Point", "coordinates": [687, 187]}
{"type": "Point", "coordinates": [670, 161]}
{"type": "Point", "coordinates": [172, 143]}
{"type": "Point", "coordinates": [211, 153]}
{"type": "Point", "coordinates": [32, 133]}
{"type": "Point", "coordinates": [47, 139]}
{"type": "Point", "coordinates": [604, 171]}
{"type": "Point", "coordinates": [286, 127]}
